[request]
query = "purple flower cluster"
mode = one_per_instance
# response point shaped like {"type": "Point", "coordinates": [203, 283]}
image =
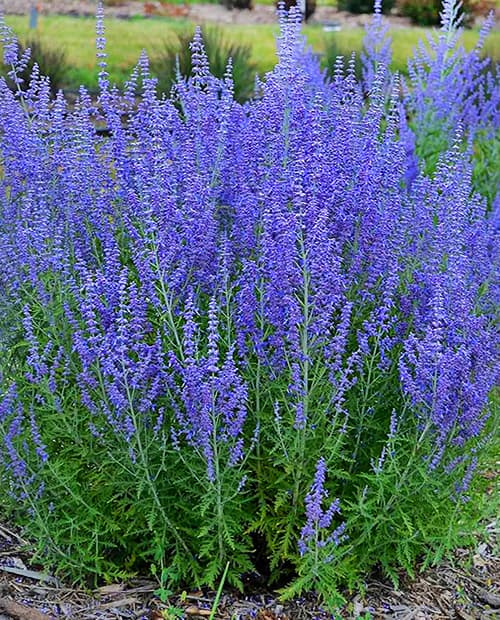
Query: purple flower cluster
{"type": "Point", "coordinates": [377, 53]}
{"type": "Point", "coordinates": [316, 532]}
{"type": "Point", "coordinates": [442, 72]}
{"type": "Point", "coordinates": [211, 403]}
{"type": "Point", "coordinates": [211, 270]}
{"type": "Point", "coordinates": [20, 459]}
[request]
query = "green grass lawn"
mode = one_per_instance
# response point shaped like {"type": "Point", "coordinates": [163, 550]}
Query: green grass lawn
{"type": "Point", "coordinates": [126, 39]}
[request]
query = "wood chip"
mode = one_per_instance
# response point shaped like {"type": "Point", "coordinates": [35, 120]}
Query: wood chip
{"type": "Point", "coordinates": [266, 614]}
{"type": "Point", "coordinates": [124, 602]}
{"type": "Point", "coordinates": [20, 612]}
{"type": "Point", "coordinates": [192, 610]}
{"type": "Point", "coordinates": [113, 588]}
{"type": "Point", "coordinates": [492, 599]}
{"type": "Point", "coordinates": [29, 574]}
{"type": "Point", "coordinates": [8, 534]}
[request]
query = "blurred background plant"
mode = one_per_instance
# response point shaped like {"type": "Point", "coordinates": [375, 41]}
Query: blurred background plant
{"type": "Point", "coordinates": [238, 4]}
{"type": "Point", "coordinates": [334, 53]}
{"type": "Point", "coordinates": [310, 6]}
{"type": "Point", "coordinates": [175, 55]}
{"type": "Point", "coordinates": [51, 60]}
{"type": "Point", "coordinates": [426, 12]}
{"type": "Point", "coordinates": [364, 6]}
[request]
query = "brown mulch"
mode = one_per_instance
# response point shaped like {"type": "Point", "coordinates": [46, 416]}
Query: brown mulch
{"type": "Point", "coordinates": [466, 587]}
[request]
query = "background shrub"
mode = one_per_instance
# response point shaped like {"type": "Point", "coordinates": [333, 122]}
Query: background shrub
{"type": "Point", "coordinates": [238, 4]}
{"type": "Point", "coordinates": [310, 6]}
{"type": "Point", "coordinates": [52, 63]}
{"type": "Point", "coordinates": [219, 49]}
{"type": "Point", "coordinates": [364, 6]}
{"type": "Point", "coordinates": [333, 52]}
{"type": "Point", "coordinates": [427, 12]}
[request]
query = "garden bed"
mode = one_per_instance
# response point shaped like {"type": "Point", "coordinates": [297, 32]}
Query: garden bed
{"type": "Point", "coordinates": [467, 587]}
{"type": "Point", "coordinates": [252, 345]}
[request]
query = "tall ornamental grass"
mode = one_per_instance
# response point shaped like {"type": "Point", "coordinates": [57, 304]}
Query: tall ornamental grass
{"type": "Point", "coordinates": [262, 334]}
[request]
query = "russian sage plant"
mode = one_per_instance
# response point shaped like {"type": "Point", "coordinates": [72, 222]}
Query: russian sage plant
{"type": "Point", "coordinates": [262, 334]}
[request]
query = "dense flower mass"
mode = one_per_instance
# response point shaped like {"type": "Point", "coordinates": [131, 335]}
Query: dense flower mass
{"type": "Point", "coordinates": [216, 315]}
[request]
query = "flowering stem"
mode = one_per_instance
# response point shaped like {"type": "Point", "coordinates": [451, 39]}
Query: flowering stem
{"type": "Point", "coordinates": [304, 363]}
{"type": "Point", "coordinates": [146, 475]}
